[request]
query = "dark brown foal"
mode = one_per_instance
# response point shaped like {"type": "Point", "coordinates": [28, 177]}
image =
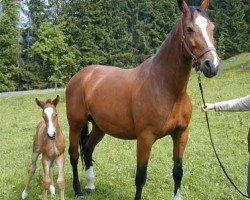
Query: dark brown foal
{"type": "Point", "coordinates": [49, 141]}
{"type": "Point", "coordinates": [145, 103]}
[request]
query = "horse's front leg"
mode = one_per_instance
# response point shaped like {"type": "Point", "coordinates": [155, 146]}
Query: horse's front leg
{"type": "Point", "coordinates": [74, 136]}
{"type": "Point", "coordinates": [60, 179]}
{"type": "Point", "coordinates": [32, 170]}
{"type": "Point", "coordinates": [46, 179]}
{"type": "Point", "coordinates": [52, 187]}
{"type": "Point", "coordinates": [144, 145]}
{"type": "Point", "coordinates": [179, 143]}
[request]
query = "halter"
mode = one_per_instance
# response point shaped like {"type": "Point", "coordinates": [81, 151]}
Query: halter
{"type": "Point", "coordinates": [194, 57]}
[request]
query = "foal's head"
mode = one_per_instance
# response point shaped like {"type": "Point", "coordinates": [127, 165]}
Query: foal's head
{"type": "Point", "coordinates": [49, 115]}
{"type": "Point", "coordinates": [198, 37]}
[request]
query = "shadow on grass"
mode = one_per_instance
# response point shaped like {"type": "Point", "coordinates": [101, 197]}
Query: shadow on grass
{"type": "Point", "coordinates": [107, 192]}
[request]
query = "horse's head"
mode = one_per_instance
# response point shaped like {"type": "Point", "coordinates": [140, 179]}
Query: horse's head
{"type": "Point", "coordinates": [49, 115]}
{"type": "Point", "coordinates": [198, 37]}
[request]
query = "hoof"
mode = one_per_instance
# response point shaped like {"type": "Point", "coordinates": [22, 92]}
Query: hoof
{"type": "Point", "coordinates": [89, 190]}
{"type": "Point", "coordinates": [24, 194]}
{"type": "Point", "coordinates": [52, 190]}
{"type": "Point", "coordinates": [80, 198]}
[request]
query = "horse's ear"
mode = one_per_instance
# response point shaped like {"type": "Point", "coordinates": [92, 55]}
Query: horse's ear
{"type": "Point", "coordinates": [40, 103]}
{"type": "Point", "coordinates": [56, 100]}
{"type": "Point", "coordinates": [182, 5]}
{"type": "Point", "coordinates": [205, 5]}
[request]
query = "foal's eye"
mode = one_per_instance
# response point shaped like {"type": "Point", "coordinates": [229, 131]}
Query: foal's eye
{"type": "Point", "coordinates": [190, 30]}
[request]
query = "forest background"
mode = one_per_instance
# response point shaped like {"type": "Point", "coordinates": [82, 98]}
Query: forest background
{"type": "Point", "coordinates": [43, 42]}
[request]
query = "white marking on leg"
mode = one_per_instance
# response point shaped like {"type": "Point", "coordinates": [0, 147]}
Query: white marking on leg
{"type": "Point", "coordinates": [201, 22]}
{"type": "Point", "coordinates": [24, 194]}
{"type": "Point", "coordinates": [177, 195]}
{"type": "Point", "coordinates": [90, 179]}
{"type": "Point", "coordinates": [52, 189]}
{"type": "Point", "coordinates": [51, 129]}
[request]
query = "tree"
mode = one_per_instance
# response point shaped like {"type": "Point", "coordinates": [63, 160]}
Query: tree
{"type": "Point", "coordinates": [54, 57]}
{"type": "Point", "coordinates": [231, 27]}
{"type": "Point", "coordinates": [9, 46]}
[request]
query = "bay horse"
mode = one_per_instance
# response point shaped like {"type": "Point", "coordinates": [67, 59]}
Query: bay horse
{"type": "Point", "coordinates": [145, 103]}
{"type": "Point", "coordinates": [49, 141]}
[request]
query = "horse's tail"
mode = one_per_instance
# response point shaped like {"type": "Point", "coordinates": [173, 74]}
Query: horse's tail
{"type": "Point", "coordinates": [83, 140]}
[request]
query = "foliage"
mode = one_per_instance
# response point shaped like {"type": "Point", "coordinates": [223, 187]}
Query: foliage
{"type": "Point", "coordinates": [60, 36]}
{"type": "Point", "coordinates": [115, 160]}
{"type": "Point", "coordinates": [232, 30]}
{"type": "Point", "coordinates": [55, 58]}
{"type": "Point", "coordinates": [9, 47]}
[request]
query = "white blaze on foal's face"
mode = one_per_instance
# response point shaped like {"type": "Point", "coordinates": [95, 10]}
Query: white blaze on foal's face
{"type": "Point", "coordinates": [202, 23]}
{"type": "Point", "coordinates": [49, 113]}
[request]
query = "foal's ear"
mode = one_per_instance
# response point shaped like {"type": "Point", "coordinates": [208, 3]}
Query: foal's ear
{"type": "Point", "coordinates": [40, 103]}
{"type": "Point", "coordinates": [56, 100]}
{"type": "Point", "coordinates": [182, 5]}
{"type": "Point", "coordinates": [205, 5]}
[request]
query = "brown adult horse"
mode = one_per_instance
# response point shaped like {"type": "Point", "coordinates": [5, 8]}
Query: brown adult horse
{"type": "Point", "coordinates": [145, 103]}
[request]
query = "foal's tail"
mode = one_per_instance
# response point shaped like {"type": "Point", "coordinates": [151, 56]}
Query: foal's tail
{"type": "Point", "coordinates": [83, 140]}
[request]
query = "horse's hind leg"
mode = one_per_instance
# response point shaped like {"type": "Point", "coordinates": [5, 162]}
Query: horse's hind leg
{"type": "Point", "coordinates": [32, 170]}
{"type": "Point", "coordinates": [179, 143]}
{"type": "Point", "coordinates": [93, 139]}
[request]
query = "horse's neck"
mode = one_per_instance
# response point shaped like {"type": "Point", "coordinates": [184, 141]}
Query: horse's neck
{"type": "Point", "coordinates": [172, 66]}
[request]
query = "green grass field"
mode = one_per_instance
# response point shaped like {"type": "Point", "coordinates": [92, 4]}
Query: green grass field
{"type": "Point", "coordinates": [115, 159]}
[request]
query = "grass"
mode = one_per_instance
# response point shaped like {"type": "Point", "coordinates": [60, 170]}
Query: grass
{"type": "Point", "coordinates": [115, 159]}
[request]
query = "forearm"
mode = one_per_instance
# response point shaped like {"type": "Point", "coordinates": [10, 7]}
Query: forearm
{"type": "Point", "coordinates": [241, 104]}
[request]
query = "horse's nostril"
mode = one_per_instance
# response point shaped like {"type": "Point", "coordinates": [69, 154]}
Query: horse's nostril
{"type": "Point", "coordinates": [208, 63]}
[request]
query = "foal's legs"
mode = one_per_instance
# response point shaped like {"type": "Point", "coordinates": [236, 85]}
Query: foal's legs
{"type": "Point", "coordinates": [74, 135]}
{"type": "Point", "coordinates": [179, 141]}
{"type": "Point", "coordinates": [32, 170]}
{"type": "Point", "coordinates": [47, 163]}
{"type": "Point", "coordinates": [60, 179]}
{"type": "Point", "coordinates": [51, 187]}
{"type": "Point", "coordinates": [94, 138]}
{"type": "Point", "coordinates": [144, 145]}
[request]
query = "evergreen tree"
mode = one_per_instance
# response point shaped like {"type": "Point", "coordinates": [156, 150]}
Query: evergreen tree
{"type": "Point", "coordinates": [59, 37]}
{"type": "Point", "coordinates": [38, 13]}
{"type": "Point", "coordinates": [120, 51]}
{"type": "Point", "coordinates": [9, 46]}
{"type": "Point", "coordinates": [54, 57]}
{"type": "Point", "coordinates": [231, 27]}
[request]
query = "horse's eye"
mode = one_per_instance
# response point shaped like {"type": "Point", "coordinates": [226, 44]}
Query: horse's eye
{"type": "Point", "coordinates": [190, 30]}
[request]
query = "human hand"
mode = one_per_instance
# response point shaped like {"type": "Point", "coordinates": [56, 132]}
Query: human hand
{"type": "Point", "coordinates": [207, 107]}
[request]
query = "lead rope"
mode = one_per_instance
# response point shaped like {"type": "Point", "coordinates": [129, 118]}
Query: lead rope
{"type": "Point", "coordinates": [212, 142]}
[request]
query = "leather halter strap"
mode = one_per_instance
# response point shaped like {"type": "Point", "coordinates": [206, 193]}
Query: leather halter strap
{"type": "Point", "coordinates": [194, 56]}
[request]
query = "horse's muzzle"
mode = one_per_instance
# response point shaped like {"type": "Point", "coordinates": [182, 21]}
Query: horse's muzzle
{"type": "Point", "coordinates": [52, 137]}
{"type": "Point", "coordinates": [209, 69]}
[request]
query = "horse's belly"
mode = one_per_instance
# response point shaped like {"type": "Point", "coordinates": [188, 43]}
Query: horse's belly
{"type": "Point", "coordinates": [120, 127]}
{"type": "Point", "coordinates": [114, 119]}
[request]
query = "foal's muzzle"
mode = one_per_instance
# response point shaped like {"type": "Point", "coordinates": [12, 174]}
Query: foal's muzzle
{"type": "Point", "coordinates": [51, 137]}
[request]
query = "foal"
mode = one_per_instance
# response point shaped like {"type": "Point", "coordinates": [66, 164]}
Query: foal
{"type": "Point", "coordinates": [49, 141]}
